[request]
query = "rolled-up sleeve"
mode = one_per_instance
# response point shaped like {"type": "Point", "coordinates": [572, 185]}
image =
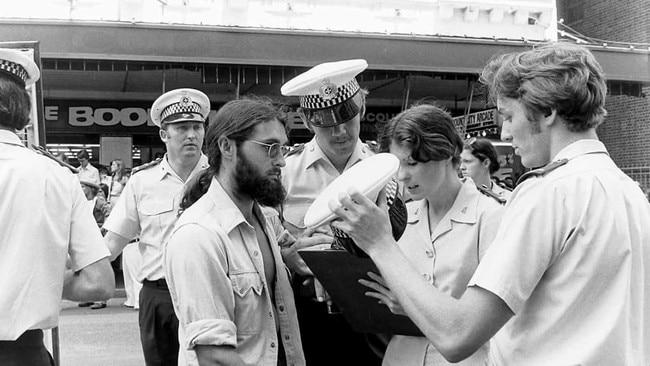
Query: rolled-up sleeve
{"type": "Point", "coordinates": [196, 271]}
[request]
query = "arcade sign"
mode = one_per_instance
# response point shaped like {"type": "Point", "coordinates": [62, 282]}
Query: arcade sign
{"type": "Point", "coordinates": [477, 121]}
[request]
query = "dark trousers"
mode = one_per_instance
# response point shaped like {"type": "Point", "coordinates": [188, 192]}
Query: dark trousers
{"type": "Point", "coordinates": [158, 325]}
{"type": "Point", "coordinates": [328, 339]}
{"type": "Point", "coordinates": [27, 350]}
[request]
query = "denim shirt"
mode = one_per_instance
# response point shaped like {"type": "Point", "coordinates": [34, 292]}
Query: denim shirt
{"type": "Point", "coordinates": [214, 269]}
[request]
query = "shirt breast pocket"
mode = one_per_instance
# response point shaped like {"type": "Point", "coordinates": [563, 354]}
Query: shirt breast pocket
{"type": "Point", "coordinates": [248, 289]}
{"type": "Point", "coordinates": [159, 214]}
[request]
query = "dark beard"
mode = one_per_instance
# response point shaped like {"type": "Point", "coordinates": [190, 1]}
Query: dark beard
{"type": "Point", "coordinates": [266, 191]}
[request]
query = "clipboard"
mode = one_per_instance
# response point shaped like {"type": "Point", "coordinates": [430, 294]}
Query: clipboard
{"type": "Point", "coordinates": [339, 271]}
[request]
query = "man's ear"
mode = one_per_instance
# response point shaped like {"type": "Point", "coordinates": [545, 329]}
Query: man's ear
{"type": "Point", "coordinates": [549, 119]}
{"type": "Point", "coordinates": [226, 146]}
{"type": "Point", "coordinates": [163, 135]}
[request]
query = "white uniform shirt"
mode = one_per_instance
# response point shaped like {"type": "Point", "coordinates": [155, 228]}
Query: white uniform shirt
{"type": "Point", "coordinates": [89, 174]}
{"type": "Point", "coordinates": [45, 216]}
{"type": "Point", "coordinates": [572, 261]}
{"type": "Point", "coordinates": [149, 206]}
{"type": "Point", "coordinates": [306, 175]}
{"type": "Point", "coordinates": [446, 258]}
{"type": "Point", "coordinates": [502, 192]}
{"type": "Point", "coordinates": [217, 282]}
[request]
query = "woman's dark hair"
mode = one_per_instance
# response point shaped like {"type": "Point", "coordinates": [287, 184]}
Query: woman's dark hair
{"type": "Point", "coordinates": [235, 120]}
{"type": "Point", "coordinates": [483, 149]}
{"type": "Point", "coordinates": [427, 130]}
{"type": "Point", "coordinates": [15, 103]}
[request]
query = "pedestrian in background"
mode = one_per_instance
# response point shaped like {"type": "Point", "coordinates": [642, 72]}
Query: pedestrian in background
{"type": "Point", "coordinates": [45, 222]}
{"type": "Point", "coordinates": [87, 172]}
{"type": "Point", "coordinates": [480, 161]}
{"type": "Point", "coordinates": [100, 209]}
{"type": "Point", "coordinates": [148, 208]}
{"type": "Point", "coordinates": [117, 181]}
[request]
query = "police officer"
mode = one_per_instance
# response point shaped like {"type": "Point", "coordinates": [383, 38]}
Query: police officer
{"type": "Point", "coordinates": [331, 106]}
{"type": "Point", "coordinates": [149, 206]}
{"type": "Point", "coordinates": [45, 221]}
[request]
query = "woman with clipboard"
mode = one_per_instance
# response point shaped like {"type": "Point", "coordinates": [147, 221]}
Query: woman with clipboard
{"type": "Point", "coordinates": [450, 222]}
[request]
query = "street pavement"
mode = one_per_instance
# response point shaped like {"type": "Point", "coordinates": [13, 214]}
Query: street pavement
{"type": "Point", "coordinates": [101, 337]}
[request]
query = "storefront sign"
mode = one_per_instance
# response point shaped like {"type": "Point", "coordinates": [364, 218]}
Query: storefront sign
{"type": "Point", "coordinates": [124, 117]}
{"type": "Point", "coordinates": [477, 121]}
{"type": "Point", "coordinates": [99, 117]}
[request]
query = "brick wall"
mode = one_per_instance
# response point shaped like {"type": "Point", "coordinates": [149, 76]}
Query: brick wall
{"type": "Point", "coordinates": [626, 131]}
{"type": "Point", "coordinates": [616, 20]}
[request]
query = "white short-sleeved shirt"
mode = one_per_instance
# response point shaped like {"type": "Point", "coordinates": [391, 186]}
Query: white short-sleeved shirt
{"type": "Point", "coordinates": [149, 206]}
{"type": "Point", "coordinates": [572, 261]}
{"type": "Point", "coordinates": [89, 174]}
{"type": "Point", "coordinates": [446, 258]}
{"type": "Point", "coordinates": [44, 215]}
{"type": "Point", "coordinates": [216, 277]}
{"type": "Point", "coordinates": [306, 175]}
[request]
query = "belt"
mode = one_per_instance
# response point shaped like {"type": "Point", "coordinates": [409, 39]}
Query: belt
{"type": "Point", "coordinates": [161, 283]}
{"type": "Point", "coordinates": [31, 338]}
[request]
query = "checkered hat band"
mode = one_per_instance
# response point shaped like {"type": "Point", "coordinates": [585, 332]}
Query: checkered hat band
{"type": "Point", "coordinates": [344, 92]}
{"type": "Point", "coordinates": [178, 108]}
{"type": "Point", "coordinates": [13, 69]}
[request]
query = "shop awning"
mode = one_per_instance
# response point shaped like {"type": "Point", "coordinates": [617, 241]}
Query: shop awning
{"type": "Point", "coordinates": [233, 45]}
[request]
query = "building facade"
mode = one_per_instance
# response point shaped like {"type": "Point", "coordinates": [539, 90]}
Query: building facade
{"type": "Point", "coordinates": [105, 62]}
{"type": "Point", "coordinates": [625, 24]}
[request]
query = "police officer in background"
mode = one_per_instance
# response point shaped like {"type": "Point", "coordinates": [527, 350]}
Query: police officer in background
{"type": "Point", "coordinates": [45, 220]}
{"type": "Point", "coordinates": [331, 106]}
{"type": "Point", "coordinates": [149, 206]}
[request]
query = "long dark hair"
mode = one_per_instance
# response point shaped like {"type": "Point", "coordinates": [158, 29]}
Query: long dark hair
{"type": "Point", "coordinates": [235, 120]}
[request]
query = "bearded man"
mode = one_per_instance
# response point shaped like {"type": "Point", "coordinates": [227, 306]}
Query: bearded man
{"type": "Point", "coordinates": [229, 286]}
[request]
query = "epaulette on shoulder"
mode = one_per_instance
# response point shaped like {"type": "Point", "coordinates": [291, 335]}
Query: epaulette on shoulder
{"type": "Point", "coordinates": [483, 189]}
{"type": "Point", "coordinates": [43, 152]}
{"type": "Point", "coordinates": [146, 166]}
{"type": "Point", "coordinates": [540, 172]}
{"type": "Point", "coordinates": [295, 149]}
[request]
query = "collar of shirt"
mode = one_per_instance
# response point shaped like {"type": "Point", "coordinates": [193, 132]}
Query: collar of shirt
{"type": "Point", "coordinates": [464, 208]}
{"type": "Point", "coordinates": [314, 153]}
{"type": "Point", "coordinates": [233, 216]}
{"type": "Point", "coordinates": [581, 147]}
{"type": "Point", "coordinates": [9, 137]}
{"type": "Point", "coordinates": [165, 168]}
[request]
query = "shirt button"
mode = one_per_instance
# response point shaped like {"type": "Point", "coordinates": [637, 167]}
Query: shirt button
{"type": "Point", "coordinates": [427, 277]}
{"type": "Point", "coordinates": [255, 253]}
{"type": "Point", "coordinates": [281, 307]}
{"type": "Point", "coordinates": [287, 337]}
{"type": "Point", "coordinates": [429, 253]}
{"type": "Point", "coordinates": [270, 314]}
{"type": "Point", "coordinates": [272, 344]}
